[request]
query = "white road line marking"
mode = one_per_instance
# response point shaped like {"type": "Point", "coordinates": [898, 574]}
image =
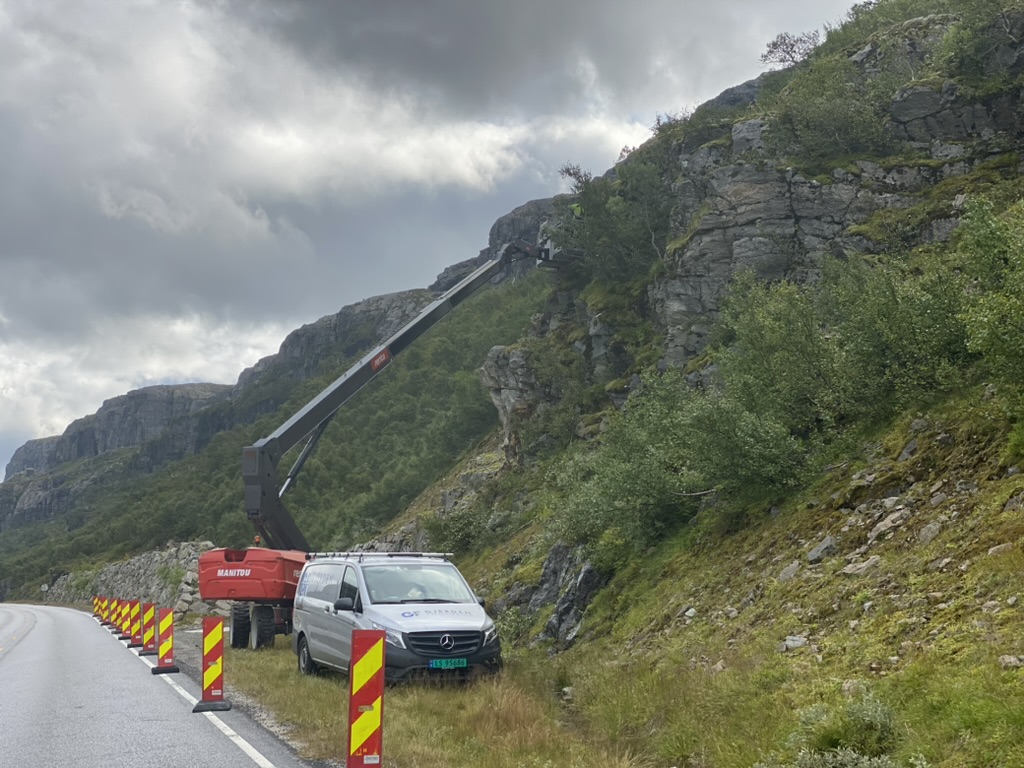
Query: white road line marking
{"type": "Point", "coordinates": [251, 751]}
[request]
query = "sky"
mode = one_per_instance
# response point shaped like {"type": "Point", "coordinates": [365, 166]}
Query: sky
{"type": "Point", "coordinates": [183, 183]}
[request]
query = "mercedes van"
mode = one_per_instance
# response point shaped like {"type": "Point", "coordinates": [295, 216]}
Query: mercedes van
{"type": "Point", "coordinates": [432, 620]}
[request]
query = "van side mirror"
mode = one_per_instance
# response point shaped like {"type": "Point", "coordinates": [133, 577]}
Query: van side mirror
{"type": "Point", "coordinates": [343, 604]}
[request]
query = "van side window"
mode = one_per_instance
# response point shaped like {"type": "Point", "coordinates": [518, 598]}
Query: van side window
{"type": "Point", "coordinates": [350, 587]}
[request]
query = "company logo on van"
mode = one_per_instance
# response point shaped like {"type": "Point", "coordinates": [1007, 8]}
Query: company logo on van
{"type": "Point", "coordinates": [234, 571]}
{"type": "Point", "coordinates": [437, 612]}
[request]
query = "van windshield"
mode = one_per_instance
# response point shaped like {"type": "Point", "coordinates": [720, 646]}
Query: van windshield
{"type": "Point", "coordinates": [416, 583]}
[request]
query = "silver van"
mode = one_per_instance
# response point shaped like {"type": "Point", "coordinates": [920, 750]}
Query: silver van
{"type": "Point", "coordinates": [433, 621]}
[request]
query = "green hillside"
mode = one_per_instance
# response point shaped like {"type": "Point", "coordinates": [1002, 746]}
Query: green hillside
{"type": "Point", "coordinates": [806, 538]}
{"type": "Point", "coordinates": [390, 442]}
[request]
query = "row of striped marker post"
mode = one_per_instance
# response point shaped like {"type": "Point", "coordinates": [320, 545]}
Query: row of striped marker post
{"type": "Point", "coordinates": [136, 622]}
{"type": "Point", "coordinates": [366, 674]}
{"type": "Point", "coordinates": [145, 626]}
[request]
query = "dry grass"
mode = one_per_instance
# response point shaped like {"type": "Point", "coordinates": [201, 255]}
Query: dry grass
{"type": "Point", "coordinates": [495, 722]}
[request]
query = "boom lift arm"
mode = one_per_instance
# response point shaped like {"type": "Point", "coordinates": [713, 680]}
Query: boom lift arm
{"type": "Point", "coordinates": [263, 491]}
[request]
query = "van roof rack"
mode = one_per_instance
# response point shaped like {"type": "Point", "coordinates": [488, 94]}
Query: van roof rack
{"type": "Point", "coordinates": [360, 555]}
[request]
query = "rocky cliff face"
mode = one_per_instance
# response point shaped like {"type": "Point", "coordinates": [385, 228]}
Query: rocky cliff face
{"type": "Point", "coordinates": [33, 455]}
{"type": "Point", "coordinates": [736, 210]}
{"type": "Point", "coordinates": [353, 330]}
{"type": "Point", "coordinates": [126, 421]}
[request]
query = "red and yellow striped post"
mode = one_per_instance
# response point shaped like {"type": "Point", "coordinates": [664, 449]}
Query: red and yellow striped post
{"type": "Point", "coordinates": [105, 611]}
{"type": "Point", "coordinates": [366, 699]}
{"type": "Point", "coordinates": [135, 612]}
{"type": "Point", "coordinates": [126, 620]}
{"type": "Point", "coordinates": [96, 605]}
{"type": "Point", "coordinates": [115, 614]}
{"type": "Point", "coordinates": [213, 667]}
{"type": "Point", "coordinates": [165, 641]}
{"type": "Point", "coordinates": [148, 630]}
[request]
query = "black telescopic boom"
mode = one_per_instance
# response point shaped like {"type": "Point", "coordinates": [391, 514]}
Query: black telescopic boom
{"type": "Point", "coordinates": [263, 491]}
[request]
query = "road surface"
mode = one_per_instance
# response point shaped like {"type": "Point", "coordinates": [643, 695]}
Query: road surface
{"type": "Point", "coordinates": [72, 694]}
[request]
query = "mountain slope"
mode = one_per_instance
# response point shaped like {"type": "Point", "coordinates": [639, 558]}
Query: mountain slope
{"type": "Point", "coordinates": [756, 486]}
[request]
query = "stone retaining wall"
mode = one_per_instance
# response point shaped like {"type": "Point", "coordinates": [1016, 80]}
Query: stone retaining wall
{"type": "Point", "coordinates": [169, 578]}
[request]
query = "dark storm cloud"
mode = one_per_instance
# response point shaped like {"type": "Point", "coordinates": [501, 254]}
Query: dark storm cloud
{"type": "Point", "coordinates": [183, 183]}
{"type": "Point", "coordinates": [468, 57]}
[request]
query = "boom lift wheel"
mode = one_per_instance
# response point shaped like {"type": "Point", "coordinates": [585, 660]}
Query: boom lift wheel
{"type": "Point", "coordinates": [239, 625]}
{"type": "Point", "coordinates": [261, 627]}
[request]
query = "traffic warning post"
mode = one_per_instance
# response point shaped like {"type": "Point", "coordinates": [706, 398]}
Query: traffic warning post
{"type": "Point", "coordinates": [213, 667]}
{"type": "Point", "coordinates": [125, 622]}
{"type": "Point", "coordinates": [105, 611]}
{"type": "Point", "coordinates": [95, 605]}
{"type": "Point", "coordinates": [148, 630]}
{"type": "Point", "coordinates": [115, 616]}
{"type": "Point", "coordinates": [165, 643]}
{"type": "Point", "coordinates": [366, 699]}
{"type": "Point", "coordinates": [135, 612]}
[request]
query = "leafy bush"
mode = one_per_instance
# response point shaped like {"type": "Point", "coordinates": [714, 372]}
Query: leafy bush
{"type": "Point", "coordinates": [619, 224]}
{"type": "Point", "coordinates": [829, 110]}
{"type": "Point", "coordinates": [982, 26]}
{"type": "Point", "coordinates": [863, 342]}
{"type": "Point", "coordinates": [671, 448]}
{"type": "Point", "coordinates": [866, 19]}
{"type": "Point", "coordinates": [860, 735]}
{"type": "Point", "coordinates": [788, 49]}
{"type": "Point", "coordinates": [991, 253]}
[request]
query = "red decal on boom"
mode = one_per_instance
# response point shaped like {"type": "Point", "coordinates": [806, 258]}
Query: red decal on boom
{"type": "Point", "coordinates": [381, 360]}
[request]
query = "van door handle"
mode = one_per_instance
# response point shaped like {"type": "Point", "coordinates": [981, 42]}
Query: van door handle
{"type": "Point", "coordinates": [327, 609]}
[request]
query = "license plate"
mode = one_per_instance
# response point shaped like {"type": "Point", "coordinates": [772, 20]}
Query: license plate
{"type": "Point", "coordinates": [446, 663]}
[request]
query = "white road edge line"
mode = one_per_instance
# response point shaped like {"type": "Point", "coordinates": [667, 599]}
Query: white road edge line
{"type": "Point", "coordinates": [251, 751]}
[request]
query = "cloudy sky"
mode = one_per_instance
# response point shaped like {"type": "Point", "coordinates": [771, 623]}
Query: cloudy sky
{"type": "Point", "coordinates": [182, 183]}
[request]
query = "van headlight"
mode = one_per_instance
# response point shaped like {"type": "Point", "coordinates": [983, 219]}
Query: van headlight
{"type": "Point", "coordinates": [490, 634]}
{"type": "Point", "coordinates": [392, 636]}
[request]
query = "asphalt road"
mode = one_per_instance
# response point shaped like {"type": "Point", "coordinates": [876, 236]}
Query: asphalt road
{"type": "Point", "coordinates": [72, 694]}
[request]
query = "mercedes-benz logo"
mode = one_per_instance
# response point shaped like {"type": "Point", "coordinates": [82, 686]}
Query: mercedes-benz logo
{"type": "Point", "coordinates": [447, 642]}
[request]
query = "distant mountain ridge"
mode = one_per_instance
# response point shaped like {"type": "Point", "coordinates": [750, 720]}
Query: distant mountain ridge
{"type": "Point", "coordinates": [125, 421]}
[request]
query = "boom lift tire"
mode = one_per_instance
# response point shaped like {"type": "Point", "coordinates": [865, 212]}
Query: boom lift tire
{"type": "Point", "coordinates": [240, 625]}
{"type": "Point", "coordinates": [261, 627]}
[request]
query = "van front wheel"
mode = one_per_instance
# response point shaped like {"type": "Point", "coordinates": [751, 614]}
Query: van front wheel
{"type": "Point", "coordinates": [306, 664]}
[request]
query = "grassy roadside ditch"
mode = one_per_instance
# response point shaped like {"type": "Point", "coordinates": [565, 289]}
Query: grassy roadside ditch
{"type": "Point", "coordinates": [509, 721]}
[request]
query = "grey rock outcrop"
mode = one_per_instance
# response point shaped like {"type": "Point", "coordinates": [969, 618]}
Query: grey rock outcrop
{"type": "Point", "coordinates": [125, 421]}
{"type": "Point", "coordinates": [352, 330]}
{"type": "Point", "coordinates": [523, 222]}
{"type": "Point", "coordinates": [736, 210]}
{"type": "Point", "coordinates": [566, 622]}
{"type": "Point", "coordinates": [827, 548]}
{"type": "Point", "coordinates": [514, 390]}
{"type": "Point", "coordinates": [33, 456]}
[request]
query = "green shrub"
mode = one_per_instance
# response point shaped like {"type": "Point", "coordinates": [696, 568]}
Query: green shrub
{"type": "Point", "coordinates": [991, 253]}
{"type": "Point", "coordinates": [829, 110]}
{"type": "Point", "coordinates": [618, 225]}
{"type": "Point", "coordinates": [860, 735]}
